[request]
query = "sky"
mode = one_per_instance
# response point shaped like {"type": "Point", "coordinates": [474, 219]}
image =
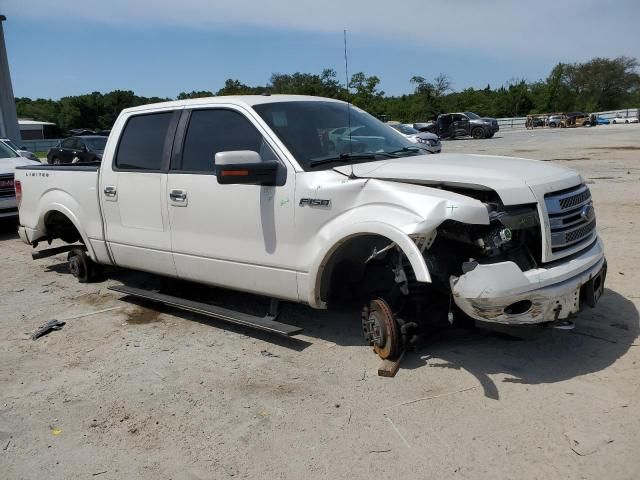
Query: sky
{"type": "Point", "coordinates": [164, 47]}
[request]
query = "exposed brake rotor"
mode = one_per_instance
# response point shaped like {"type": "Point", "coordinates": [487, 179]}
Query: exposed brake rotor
{"type": "Point", "coordinates": [381, 329]}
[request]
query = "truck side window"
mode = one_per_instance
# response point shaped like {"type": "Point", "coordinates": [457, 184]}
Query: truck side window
{"type": "Point", "coordinates": [142, 142]}
{"type": "Point", "coordinates": [219, 130]}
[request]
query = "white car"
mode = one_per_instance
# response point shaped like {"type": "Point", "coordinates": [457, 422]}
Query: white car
{"type": "Point", "coordinates": [555, 121]}
{"type": "Point", "coordinates": [22, 152]}
{"type": "Point", "coordinates": [245, 193]}
{"type": "Point", "coordinates": [9, 160]}
{"type": "Point", "coordinates": [625, 120]}
{"type": "Point", "coordinates": [429, 141]}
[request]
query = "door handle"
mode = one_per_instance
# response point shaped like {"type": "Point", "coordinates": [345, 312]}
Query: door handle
{"type": "Point", "coordinates": [110, 191]}
{"type": "Point", "coordinates": [178, 195]}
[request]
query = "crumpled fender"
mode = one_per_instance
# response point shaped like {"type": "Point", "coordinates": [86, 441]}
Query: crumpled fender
{"type": "Point", "coordinates": [395, 211]}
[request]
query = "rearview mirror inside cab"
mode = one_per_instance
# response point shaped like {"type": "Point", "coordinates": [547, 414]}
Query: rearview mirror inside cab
{"type": "Point", "coordinates": [245, 167]}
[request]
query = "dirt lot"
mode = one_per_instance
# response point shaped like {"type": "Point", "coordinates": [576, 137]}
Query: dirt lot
{"type": "Point", "coordinates": [133, 392]}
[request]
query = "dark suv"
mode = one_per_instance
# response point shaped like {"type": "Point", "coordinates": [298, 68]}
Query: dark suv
{"type": "Point", "coordinates": [452, 125]}
{"type": "Point", "coordinates": [78, 149]}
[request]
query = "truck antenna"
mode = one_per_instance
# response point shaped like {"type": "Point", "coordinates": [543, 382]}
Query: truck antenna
{"type": "Point", "coordinates": [346, 74]}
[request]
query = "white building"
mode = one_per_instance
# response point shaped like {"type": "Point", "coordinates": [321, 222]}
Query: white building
{"type": "Point", "coordinates": [32, 129]}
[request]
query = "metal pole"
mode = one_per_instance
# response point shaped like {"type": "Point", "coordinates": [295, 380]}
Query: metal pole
{"type": "Point", "coordinates": [8, 118]}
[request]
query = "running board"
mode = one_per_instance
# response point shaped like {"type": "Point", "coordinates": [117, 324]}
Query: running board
{"type": "Point", "coordinates": [266, 323]}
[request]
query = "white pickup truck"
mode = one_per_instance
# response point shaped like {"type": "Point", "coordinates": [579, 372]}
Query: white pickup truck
{"type": "Point", "coordinates": [248, 193]}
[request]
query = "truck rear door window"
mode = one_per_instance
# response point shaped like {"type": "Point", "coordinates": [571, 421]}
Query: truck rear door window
{"type": "Point", "coordinates": [142, 142]}
{"type": "Point", "coordinates": [218, 130]}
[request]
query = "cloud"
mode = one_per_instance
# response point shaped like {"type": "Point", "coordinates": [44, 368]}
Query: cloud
{"type": "Point", "coordinates": [550, 29]}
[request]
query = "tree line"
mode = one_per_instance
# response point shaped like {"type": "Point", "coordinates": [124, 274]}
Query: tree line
{"type": "Point", "coordinates": [596, 85]}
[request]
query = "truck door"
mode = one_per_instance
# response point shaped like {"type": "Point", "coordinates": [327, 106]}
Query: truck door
{"type": "Point", "coordinates": [444, 126]}
{"type": "Point", "coordinates": [234, 236]}
{"type": "Point", "coordinates": [460, 125]}
{"type": "Point", "coordinates": [133, 192]}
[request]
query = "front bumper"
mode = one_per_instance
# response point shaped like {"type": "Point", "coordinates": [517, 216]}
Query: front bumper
{"type": "Point", "coordinates": [553, 291]}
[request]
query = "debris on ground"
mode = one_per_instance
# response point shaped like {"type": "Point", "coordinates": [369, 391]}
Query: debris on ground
{"type": "Point", "coordinates": [48, 327]}
{"type": "Point", "coordinates": [584, 443]}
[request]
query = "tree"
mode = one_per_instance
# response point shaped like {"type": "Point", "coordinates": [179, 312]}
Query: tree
{"type": "Point", "coordinates": [597, 85]}
{"type": "Point", "coordinates": [602, 83]}
{"type": "Point", "coordinates": [235, 87]}
{"type": "Point", "coordinates": [194, 94]}
{"type": "Point", "coordinates": [365, 93]}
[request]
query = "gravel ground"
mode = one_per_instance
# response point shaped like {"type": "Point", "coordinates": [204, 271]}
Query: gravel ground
{"type": "Point", "coordinates": [136, 392]}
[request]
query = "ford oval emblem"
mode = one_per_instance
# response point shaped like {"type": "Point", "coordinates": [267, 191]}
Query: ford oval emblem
{"type": "Point", "coordinates": [588, 213]}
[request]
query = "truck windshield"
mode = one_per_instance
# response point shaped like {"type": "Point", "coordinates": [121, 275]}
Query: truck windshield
{"type": "Point", "coordinates": [472, 115]}
{"type": "Point", "coordinates": [11, 144]}
{"type": "Point", "coordinates": [320, 134]}
{"type": "Point", "coordinates": [6, 152]}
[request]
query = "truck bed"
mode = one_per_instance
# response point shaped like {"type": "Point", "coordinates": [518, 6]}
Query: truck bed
{"type": "Point", "coordinates": [70, 189]}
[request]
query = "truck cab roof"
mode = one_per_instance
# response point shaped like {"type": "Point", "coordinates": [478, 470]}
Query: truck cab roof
{"type": "Point", "coordinates": [248, 100]}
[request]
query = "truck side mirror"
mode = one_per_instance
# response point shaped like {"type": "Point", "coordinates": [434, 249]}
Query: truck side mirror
{"type": "Point", "coordinates": [245, 167]}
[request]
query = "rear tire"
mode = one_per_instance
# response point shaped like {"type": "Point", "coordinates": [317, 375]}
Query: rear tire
{"type": "Point", "coordinates": [477, 133]}
{"type": "Point", "coordinates": [82, 267]}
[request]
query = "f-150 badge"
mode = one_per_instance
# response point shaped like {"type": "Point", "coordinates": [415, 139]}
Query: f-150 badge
{"type": "Point", "coordinates": [314, 202]}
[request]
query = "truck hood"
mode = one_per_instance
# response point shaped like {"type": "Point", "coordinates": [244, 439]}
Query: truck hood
{"type": "Point", "coordinates": [514, 179]}
{"type": "Point", "coordinates": [8, 165]}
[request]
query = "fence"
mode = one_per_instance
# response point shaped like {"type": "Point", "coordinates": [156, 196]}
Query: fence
{"type": "Point", "coordinates": [39, 145]}
{"type": "Point", "coordinates": [520, 122]}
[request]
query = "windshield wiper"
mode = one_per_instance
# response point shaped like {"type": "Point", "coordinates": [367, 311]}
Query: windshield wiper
{"type": "Point", "coordinates": [410, 148]}
{"type": "Point", "coordinates": [346, 157]}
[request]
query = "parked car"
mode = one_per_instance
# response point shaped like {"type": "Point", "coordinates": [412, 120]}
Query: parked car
{"type": "Point", "coordinates": [453, 125]}
{"type": "Point", "coordinates": [83, 149]}
{"type": "Point", "coordinates": [20, 151]}
{"type": "Point", "coordinates": [252, 198]}
{"type": "Point", "coordinates": [555, 121]}
{"type": "Point", "coordinates": [9, 160]}
{"type": "Point", "coordinates": [621, 119]}
{"type": "Point", "coordinates": [576, 119]}
{"type": "Point", "coordinates": [427, 140]}
{"type": "Point", "coordinates": [602, 121]}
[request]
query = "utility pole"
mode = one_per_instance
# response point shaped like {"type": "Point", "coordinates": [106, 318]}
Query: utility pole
{"type": "Point", "coordinates": [8, 117]}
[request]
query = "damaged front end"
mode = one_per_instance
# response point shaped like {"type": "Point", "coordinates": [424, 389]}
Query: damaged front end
{"type": "Point", "coordinates": [495, 272]}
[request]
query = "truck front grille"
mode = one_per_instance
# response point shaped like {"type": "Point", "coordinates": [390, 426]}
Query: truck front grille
{"type": "Point", "coordinates": [572, 220]}
{"type": "Point", "coordinates": [7, 188]}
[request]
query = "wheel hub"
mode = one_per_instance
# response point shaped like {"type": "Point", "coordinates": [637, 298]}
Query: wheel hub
{"type": "Point", "coordinates": [381, 329]}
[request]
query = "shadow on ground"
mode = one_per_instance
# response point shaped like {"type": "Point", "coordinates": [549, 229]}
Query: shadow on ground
{"type": "Point", "coordinates": [601, 336]}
